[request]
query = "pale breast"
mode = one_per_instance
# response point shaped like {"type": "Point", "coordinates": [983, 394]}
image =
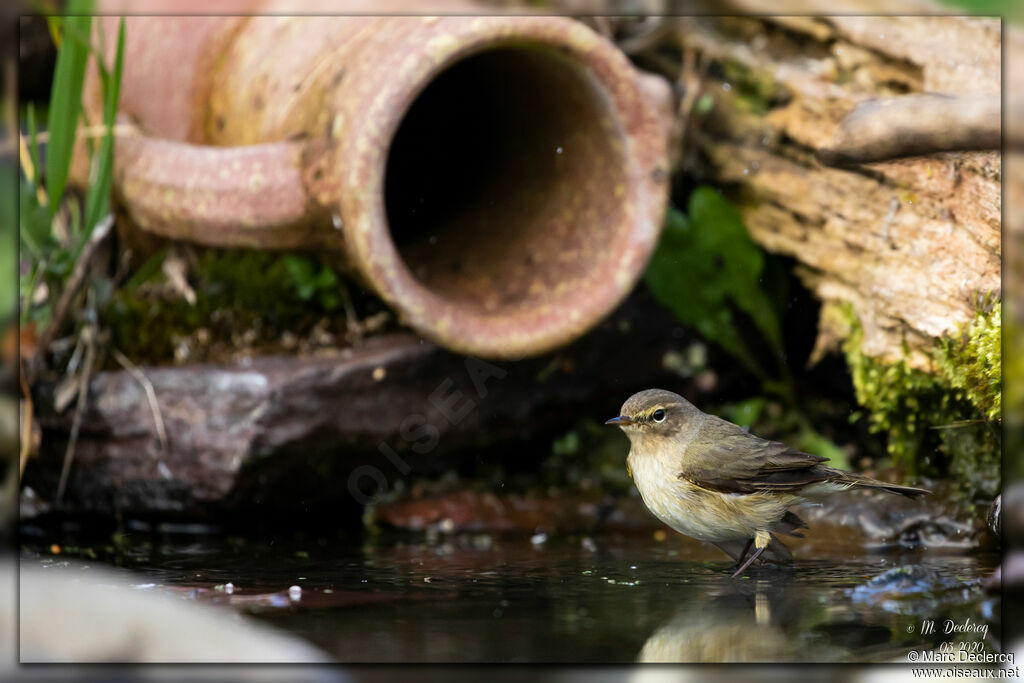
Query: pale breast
{"type": "Point", "coordinates": [700, 513]}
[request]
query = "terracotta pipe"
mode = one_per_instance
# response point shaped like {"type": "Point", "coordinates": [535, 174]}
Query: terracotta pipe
{"type": "Point", "coordinates": [499, 181]}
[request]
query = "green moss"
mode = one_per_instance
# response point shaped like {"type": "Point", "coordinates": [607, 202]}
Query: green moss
{"type": "Point", "coordinates": [941, 424]}
{"type": "Point", "coordinates": [971, 361]}
{"type": "Point", "coordinates": [242, 297]}
{"type": "Point", "coordinates": [756, 91]}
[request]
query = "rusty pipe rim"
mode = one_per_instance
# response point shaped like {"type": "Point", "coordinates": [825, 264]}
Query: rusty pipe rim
{"type": "Point", "coordinates": [545, 324]}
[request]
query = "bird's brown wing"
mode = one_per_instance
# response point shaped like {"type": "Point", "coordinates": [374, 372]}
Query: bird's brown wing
{"type": "Point", "coordinates": [725, 458]}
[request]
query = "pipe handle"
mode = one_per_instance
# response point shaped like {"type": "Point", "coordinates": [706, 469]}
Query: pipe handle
{"type": "Point", "coordinates": [256, 196]}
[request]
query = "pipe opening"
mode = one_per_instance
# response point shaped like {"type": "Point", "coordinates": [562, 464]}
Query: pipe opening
{"type": "Point", "coordinates": [506, 182]}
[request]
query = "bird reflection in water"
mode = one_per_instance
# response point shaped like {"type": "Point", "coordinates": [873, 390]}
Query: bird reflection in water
{"type": "Point", "coordinates": [732, 627]}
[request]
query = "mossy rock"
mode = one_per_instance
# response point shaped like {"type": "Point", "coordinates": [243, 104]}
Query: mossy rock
{"type": "Point", "coordinates": [945, 423]}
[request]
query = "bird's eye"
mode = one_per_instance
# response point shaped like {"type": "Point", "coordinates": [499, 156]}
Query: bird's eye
{"type": "Point", "coordinates": [659, 415]}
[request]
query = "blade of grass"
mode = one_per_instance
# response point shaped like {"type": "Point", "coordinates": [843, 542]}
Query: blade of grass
{"type": "Point", "coordinates": [83, 39]}
{"type": "Point", "coordinates": [33, 145]}
{"type": "Point", "coordinates": [33, 216]}
{"type": "Point", "coordinates": [72, 33]}
{"type": "Point", "coordinates": [53, 23]}
{"type": "Point", "coordinates": [8, 257]}
{"type": "Point", "coordinates": [75, 33]}
{"type": "Point", "coordinates": [97, 202]}
{"type": "Point", "coordinates": [66, 104]}
{"type": "Point", "coordinates": [147, 270]}
{"type": "Point", "coordinates": [33, 220]}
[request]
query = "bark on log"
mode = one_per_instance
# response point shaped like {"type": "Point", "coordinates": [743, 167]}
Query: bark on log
{"type": "Point", "coordinates": [912, 243]}
{"type": "Point", "coordinates": [916, 125]}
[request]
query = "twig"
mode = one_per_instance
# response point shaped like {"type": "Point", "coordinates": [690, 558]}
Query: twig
{"type": "Point", "coordinates": [76, 422]}
{"type": "Point", "coordinates": [894, 207]}
{"type": "Point", "coordinates": [78, 275]}
{"type": "Point", "coordinates": [958, 424]}
{"type": "Point", "coordinates": [647, 38]}
{"type": "Point", "coordinates": [689, 80]}
{"type": "Point", "coordinates": [96, 131]}
{"type": "Point", "coordinates": [174, 269]}
{"type": "Point", "coordinates": [352, 325]}
{"type": "Point", "coordinates": [147, 386]}
{"type": "Point", "coordinates": [915, 125]}
{"type": "Point", "coordinates": [692, 73]}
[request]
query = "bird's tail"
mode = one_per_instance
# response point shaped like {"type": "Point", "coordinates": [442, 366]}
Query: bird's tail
{"type": "Point", "coordinates": [790, 525]}
{"type": "Point", "coordinates": [858, 481]}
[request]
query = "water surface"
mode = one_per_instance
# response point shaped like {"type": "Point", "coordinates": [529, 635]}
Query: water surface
{"type": "Point", "coordinates": [481, 598]}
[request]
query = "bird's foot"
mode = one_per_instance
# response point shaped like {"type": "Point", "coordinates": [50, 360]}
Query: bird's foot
{"type": "Point", "coordinates": [761, 542]}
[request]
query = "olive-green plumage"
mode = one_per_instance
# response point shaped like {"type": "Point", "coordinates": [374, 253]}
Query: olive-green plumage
{"type": "Point", "coordinates": [710, 479]}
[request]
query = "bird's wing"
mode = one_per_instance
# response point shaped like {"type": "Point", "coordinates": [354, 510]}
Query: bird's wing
{"type": "Point", "coordinates": [725, 458]}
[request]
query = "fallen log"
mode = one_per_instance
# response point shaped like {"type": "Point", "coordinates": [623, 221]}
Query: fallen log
{"type": "Point", "coordinates": [277, 436]}
{"type": "Point", "coordinates": [911, 245]}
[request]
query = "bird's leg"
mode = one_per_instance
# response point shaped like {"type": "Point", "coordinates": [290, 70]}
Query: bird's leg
{"type": "Point", "coordinates": [746, 549]}
{"type": "Point", "coordinates": [727, 550]}
{"type": "Point", "coordinates": [761, 541]}
{"type": "Point", "coordinates": [757, 554]}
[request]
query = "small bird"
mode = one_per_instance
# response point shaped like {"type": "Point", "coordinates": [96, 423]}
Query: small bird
{"type": "Point", "coordinates": [712, 480]}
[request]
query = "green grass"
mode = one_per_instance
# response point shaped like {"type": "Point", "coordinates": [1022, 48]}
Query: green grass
{"type": "Point", "coordinates": [8, 257]}
{"type": "Point", "coordinates": [66, 99]}
{"type": "Point", "coordinates": [44, 200]}
{"type": "Point", "coordinates": [97, 203]}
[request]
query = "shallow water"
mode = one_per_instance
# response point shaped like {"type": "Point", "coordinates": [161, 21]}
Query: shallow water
{"type": "Point", "coordinates": [484, 599]}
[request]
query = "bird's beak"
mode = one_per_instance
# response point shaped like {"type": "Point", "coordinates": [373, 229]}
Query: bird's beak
{"type": "Point", "coordinates": [620, 421]}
